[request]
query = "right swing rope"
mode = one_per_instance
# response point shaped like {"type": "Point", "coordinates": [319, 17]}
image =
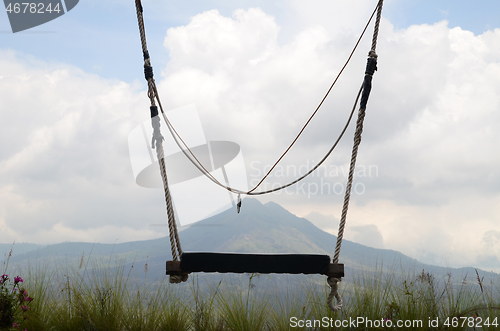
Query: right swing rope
{"type": "Point", "coordinates": [371, 66]}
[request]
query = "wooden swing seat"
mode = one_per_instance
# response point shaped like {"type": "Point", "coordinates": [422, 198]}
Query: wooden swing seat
{"type": "Point", "coordinates": [255, 263]}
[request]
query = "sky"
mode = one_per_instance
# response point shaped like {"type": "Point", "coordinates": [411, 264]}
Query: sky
{"type": "Point", "coordinates": [427, 181]}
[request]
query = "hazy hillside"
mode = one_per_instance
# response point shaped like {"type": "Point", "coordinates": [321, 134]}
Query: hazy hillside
{"type": "Point", "coordinates": [258, 228]}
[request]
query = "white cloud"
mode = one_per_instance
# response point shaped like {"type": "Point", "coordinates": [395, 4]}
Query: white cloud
{"type": "Point", "coordinates": [328, 223]}
{"type": "Point", "coordinates": [242, 77]}
{"type": "Point", "coordinates": [64, 159]}
{"type": "Point", "coordinates": [444, 113]}
{"type": "Point", "coordinates": [368, 235]}
{"type": "Point", "coordinates": [223, 43]}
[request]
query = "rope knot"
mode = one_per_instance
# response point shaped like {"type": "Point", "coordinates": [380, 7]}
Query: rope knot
{"type": "Point", "coordinates": [157, 136]}
{"type": "Point", "coordinates": [177, 279]}
{"type": "Point", "coordinates": [333, 282]}
{"type": "Point", "coordinates": [372, 54]}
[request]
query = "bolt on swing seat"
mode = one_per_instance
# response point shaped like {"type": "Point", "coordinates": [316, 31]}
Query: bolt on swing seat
{"type": "Point", "coordinates": [255, 263]}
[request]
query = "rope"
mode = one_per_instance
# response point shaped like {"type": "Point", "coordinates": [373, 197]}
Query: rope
{"type": "Point", "coordinates": [370, 69]}
{"type": "Point", "coordinates": [317, 108]}
{"type": "Point", "coordinates": [192, 158]}
{"type": "Point", "coordinates": [213, 179]}
{"type": "Point", "coordinates": [377, 25]}
{"type": "Point", "coordinates": [157, 143]}
{"type": "Point", "coordinates": [159, 153]}
{"type": "Point", "coordinates": [333, 282]}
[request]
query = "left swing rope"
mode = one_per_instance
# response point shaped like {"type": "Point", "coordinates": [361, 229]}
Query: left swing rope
{"type": "Point", "coordinates": [157, 143]}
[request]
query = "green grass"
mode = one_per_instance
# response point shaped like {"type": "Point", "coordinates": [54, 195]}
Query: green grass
{"type": "Point", "coordinates": [95, 295]}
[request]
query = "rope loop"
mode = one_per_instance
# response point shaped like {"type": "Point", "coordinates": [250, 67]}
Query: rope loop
{"type": "Point", "coordinates": [333, 282]}
{"type": "Point", "coordinates": [149, 95]}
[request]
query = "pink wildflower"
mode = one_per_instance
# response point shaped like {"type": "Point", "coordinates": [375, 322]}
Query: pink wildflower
{"type": "Point", "coordinates": [4, 278]}
{"type": "Point", "coordinates": [18, 279]}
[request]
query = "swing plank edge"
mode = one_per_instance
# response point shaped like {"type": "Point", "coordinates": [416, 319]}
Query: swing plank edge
{"type": "Point", "coordinates": [255, 263]}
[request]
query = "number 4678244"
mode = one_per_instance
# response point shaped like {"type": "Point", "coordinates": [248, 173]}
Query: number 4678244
{"type": "Point", "coordinates": [31, 7]}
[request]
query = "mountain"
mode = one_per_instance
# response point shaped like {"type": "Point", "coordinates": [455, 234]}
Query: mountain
{"type": "Point", "coordinates": [258, 228]}
{"type": "Point", "coordinates": [270, 228]}
{"type": "Point", "coordinates": [6, 249]}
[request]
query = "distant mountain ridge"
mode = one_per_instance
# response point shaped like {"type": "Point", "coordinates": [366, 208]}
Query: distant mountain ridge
{"type": "Point", "coordinates": [270, 228]}
{"type": "Point", "coordinates": [258, 228]}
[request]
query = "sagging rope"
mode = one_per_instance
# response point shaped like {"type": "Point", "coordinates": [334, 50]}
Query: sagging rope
{"type": "Point", "coordinates": [371, 66]}
{"type": "Point", "coordinates": [157, 143]}
{"type": "Point", "coordinates": [194, 160]}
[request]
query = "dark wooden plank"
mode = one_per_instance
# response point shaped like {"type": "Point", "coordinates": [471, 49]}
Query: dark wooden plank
{"type": "Point", "coordinates": [174, 266]}
{"type": "Point", "coordinates": [336, 270]}
{"type": "Point", "coordinates": [255, 263]}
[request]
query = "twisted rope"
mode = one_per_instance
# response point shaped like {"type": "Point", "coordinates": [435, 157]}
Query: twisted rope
{"type": "Point", "coordinates": [157, 143]}
{"type": "Point", "coordinates": [377, 25]}
{"type": "Point", "coordinates": [333, 282]}
{"type": "Point", "coordinates": [159, 153]}
{"type": "Point", "coordinates": [370, 69]}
